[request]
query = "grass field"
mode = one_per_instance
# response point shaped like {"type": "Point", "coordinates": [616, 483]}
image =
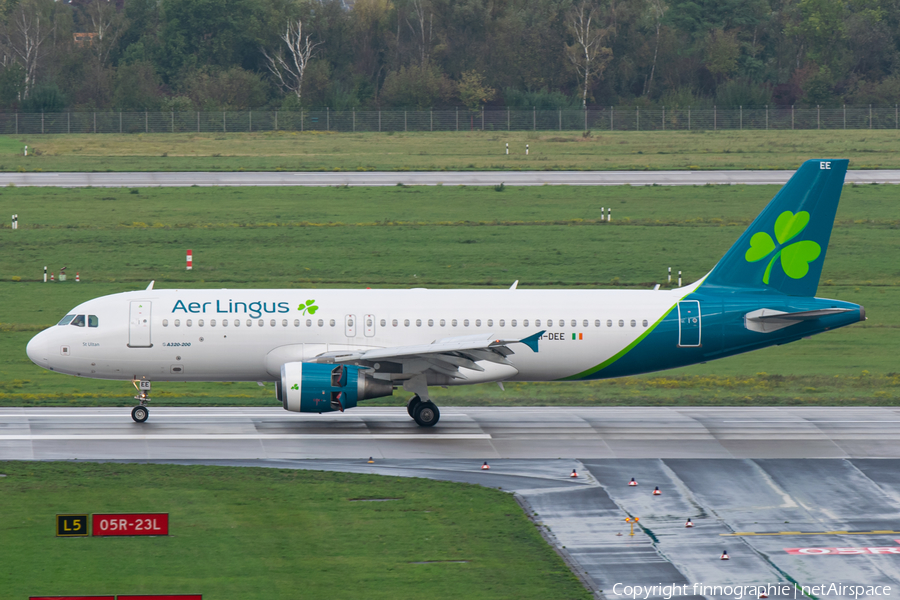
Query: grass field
{"type": "Point", "coordinates": [476, 150]}
{"type": "Point", "coordinates": [265, 534]}
{"type": "Point", "coordinates": [436, 237]}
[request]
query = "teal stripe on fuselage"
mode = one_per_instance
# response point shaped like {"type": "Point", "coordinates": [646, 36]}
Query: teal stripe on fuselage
{"type": "Point", "coordinates": [723, 333]}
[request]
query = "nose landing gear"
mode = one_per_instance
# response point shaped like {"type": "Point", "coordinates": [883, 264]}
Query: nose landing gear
{"type": "Point", "coordinates": [141, 413]}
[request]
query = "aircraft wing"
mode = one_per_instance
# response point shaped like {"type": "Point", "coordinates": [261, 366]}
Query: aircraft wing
{"type": "Point", "coordinates": [444, 356]}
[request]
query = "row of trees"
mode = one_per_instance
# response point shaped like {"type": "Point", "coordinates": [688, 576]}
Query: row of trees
{"type": "Point", "coordinates": [233, 54]}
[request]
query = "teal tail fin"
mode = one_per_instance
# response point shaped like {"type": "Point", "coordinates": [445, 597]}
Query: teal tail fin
{"type": "Point", "coordinates": [783, 250]}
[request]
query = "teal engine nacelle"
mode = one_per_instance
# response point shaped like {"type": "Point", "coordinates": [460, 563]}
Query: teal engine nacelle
{"type": "Point", "coordinates": [315, 387]}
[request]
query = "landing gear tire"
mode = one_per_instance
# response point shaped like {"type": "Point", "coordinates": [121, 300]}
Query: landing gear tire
{"type": "Point", "coordinates": [141, 413]}
{"type": "Point", "coordinates": [411, 406]}
{"type": "Point", "coordinates": [427, 414]}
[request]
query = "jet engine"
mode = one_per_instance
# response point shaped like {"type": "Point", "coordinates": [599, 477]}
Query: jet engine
{"type": "Point", "coordinates": [315, 387]}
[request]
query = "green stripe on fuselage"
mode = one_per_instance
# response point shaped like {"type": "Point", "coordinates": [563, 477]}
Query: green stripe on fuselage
{"type": "Point", "coordinates": [621, 352]}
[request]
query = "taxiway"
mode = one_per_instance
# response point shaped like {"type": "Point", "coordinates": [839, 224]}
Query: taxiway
{"type": "Point", "coordinates": [382, 178]}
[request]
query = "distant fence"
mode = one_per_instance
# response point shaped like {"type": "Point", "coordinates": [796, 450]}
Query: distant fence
{"type": "Point", "coordinates": [597, 119]}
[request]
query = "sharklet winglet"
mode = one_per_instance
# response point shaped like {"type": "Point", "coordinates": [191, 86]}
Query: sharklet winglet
{"type": "Point", "coordinates": [532, 340]}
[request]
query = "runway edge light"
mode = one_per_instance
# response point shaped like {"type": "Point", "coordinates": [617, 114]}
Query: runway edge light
{"type": "Point", "coordinates": [656, 491]}
{"type": "Point", "coordinates": [485, 466]}
{"type": "Point", "coordinates": [724, 555]}
{"type": "Point", "coordinates": [632, 482]}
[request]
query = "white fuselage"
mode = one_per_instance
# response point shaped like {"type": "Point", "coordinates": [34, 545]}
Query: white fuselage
{"type": "Point", "coordinates": [246, 335]}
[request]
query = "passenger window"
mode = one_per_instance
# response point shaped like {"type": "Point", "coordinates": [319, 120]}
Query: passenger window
{"type": "Point", "coordinates": [431, 322]}
{"type": "Point", "coordinates": [212, 322]}
{"type": "Point", "coordinates": [644, 323]}
{"type": "Point", "coordinates": [465, 322]}
{"type": "Point", "coordinates": [585, 323]}
{"type": "Point", "coordinates": [383, 323]}
{"type": "Point", "coordinates": [66, 320]}
{"type": "Point", "coordinates": [200, 323]}
{"type": "Point", "coordinates": [574, 323]}
{"type": "Point", "coordinates": [272, 323]}
{"type": "Point", "coordinates": [549, 322]}
{"type": "Point", "coordinates": [284, 322]}
{"type": "Point", "coordinates": [165, 322]}
{"type": "Point", "coordinates": [237, 322]}
{"type": "Point", "coordinates": [597, 323]}
{"type": "Point", "coordinates": [406, 322]}
{"type": "Point", "coordinates": [609, 322]}
{"type": "Point", "coordinates": [525, 323]}
{"type": "Point", "coordinates": [224, 322]}
{"type": "Point", "coordinates": [477, 322]}
{"type": "Point", "coordinates": [537, 322]}
{"type": "Point", "coordinates": [321, 323]}
{"type": "Point", "coordinates": [78, 321]}
{"type": "Point", "coordinates": [502, 323]}
{"type": "Point", "coordinates": [453, 322]}
{"type": "Point", "coordinates": [249, 322]}
{"type": "Point", "coordinates": [262, 323]}
{"type": "Point", "coordinates": [443, 323]}
{"type": "Point", "coordinates": [513, 322]}
{"type": "Point", "coordinates": [331, 322]}
{"type": "Point", "coordinates": [418, 322]}
{"type": "Point", "coordinates": [93, 321]}
{"type": "Point", "coordinates": [490, 322]}
{"type": "Point", "coordinates": [394, 323]}
{"type": "Point", "coordinates": [621, 323]}
{"type": "Point", "coordinates": [633, 323]}
{"type": "Point", "coordinates": [188, 322]}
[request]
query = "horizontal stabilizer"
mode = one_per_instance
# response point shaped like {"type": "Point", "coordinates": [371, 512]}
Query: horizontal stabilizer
{"type": "Point", "coordinates": [766, 320]}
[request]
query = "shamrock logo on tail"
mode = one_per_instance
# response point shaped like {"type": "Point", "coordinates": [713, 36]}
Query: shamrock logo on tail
{"type": "Point", "coordinates": [309, 307]}
{"type": "Point", "coordinates": [795, 258]}
{"type": "Point", "coordinates": [295, 387]}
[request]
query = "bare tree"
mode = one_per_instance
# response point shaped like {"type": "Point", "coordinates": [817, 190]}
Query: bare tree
{"type": "Point", "coordinates": [24, 35]}
{"type": "Point", "coordinates": [658, 9]}
{"type": "Point", "coordinates": [290, 70]}
{"type": "Point", "coordinates": [588, 54]}
{"type": "Point", "coordinates": [108, 23]}
{"type": "Point", "coordinates": [421, 28]}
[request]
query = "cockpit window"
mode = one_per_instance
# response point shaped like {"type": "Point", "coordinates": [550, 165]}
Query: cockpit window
{"type": "Point", "coordinates": [66, 320]}
{"type": "Point", "coordinates": [78, 321]}
{"type": "Point", "coordinates": [93, 321]}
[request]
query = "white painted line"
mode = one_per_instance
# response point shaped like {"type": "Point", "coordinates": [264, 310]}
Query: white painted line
{"type": "Point", "coordinates": [250, 436]}
{"type": "Point", "coordinates": [802, 420]}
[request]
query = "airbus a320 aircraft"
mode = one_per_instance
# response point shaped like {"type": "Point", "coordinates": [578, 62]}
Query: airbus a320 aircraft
{"type": "Point", "coordinates": [326, 350]}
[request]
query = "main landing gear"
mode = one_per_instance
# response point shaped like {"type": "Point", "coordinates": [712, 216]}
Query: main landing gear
{"type": "Point", "coordinates": [141, 413]}
{"type": "Point", "coordinates": [425, 413]}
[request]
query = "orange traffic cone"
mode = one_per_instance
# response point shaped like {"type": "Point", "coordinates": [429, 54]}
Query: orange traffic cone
{"type": "Point", "coordinates": [724, 555]}
{"type": "Point", "coordinates": [574, 474]}
{"type": "Point", "coordinates": [632, 482]}
{"type": "Point", "coordinates": [656, 492]}
{"type": "Point", "coordinates": [371, 460]}
{"type": "Point", "coordinates": [689, 523]}
{"type": "Point", "coordinates": [77, 276]}
{"type": "Point", "coordinates": [485, 466]}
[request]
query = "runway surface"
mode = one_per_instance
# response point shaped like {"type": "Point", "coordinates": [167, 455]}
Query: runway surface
{"type": "Point", "coordinates": [782, 522]}
{"type": "Point", "coordinates": [796, 496]}
{"type": "Point", "coordinates": [487, 433]}
{"type": "Point", "coordinates": [178, 179]}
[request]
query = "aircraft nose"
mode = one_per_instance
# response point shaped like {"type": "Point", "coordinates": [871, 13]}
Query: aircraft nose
{"type": "Point", "coordinates": [37, 350]}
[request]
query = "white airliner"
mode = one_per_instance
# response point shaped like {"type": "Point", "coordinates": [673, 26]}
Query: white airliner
{"type": "Point", "coordinates": [327, 350]}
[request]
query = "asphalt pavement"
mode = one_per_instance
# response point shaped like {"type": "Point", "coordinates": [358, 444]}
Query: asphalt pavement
{"type": "Point", "coordinates": [383, 178]}
{"type": "Point", "coordinates": [794, 496]}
